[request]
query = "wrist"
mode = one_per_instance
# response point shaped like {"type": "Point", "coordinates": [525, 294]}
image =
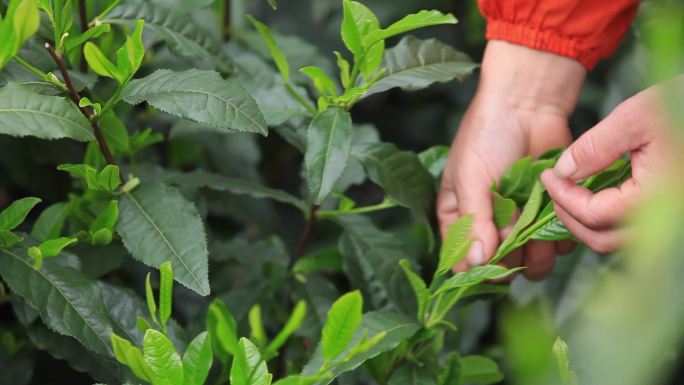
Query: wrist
{"type": "Point", "coordinates": [531, 80]}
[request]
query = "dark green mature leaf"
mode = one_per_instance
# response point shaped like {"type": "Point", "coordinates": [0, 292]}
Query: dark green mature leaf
{"type": "Point", "coordinates": [399, 173]}
{"type": "Point", "coordinates": [24, 112]}
{"type": "Point", "coordinates": [434, 159]}
{"type": "Point", "coordinates": [197, 360]}
{"type": "Point", "coordinates": [177, 28]}
{"type": "Point", "coordinates": [50, 222]}
{"type": "Point", "coordinates": [407, 23]}
{"type": "Point", "coordinates": [201, 178]}
{"type": "Point", "coordinates": [475, 276]}
{"type": "Point", "coordinates": [157, 224]}
{"type": "Point", "coordinates": [200, 96]}
{"type": "Point", "coordinates": [14, 214]}
{"type": "Point", "coordinates": [61, 347]}
{"type": "Point", "coordinates": [329, 139]}
{"type": "Point", "coordinates": [371, 260]}
{"type": "Point", "coordinates": [165, 365]}
{"type": "Point", "coordinates": [414, 64]}
{"type": "Point", "coordinates": [63, 290]}
{"type": "Point", "coordinates": [326, 259]}
{"type": "Point", "coordinates": [344, 317]}
{"type": "Point", "coordinates": [412, 375]}
{"type": "Point", "coordinates": [397, 328]}
{"type": "Point", "coordinates": [248, 367]}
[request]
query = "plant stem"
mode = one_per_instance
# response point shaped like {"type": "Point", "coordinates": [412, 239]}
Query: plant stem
{"type": "Point", "coordinates": [306, 234]}
{"type": "Point", "coordinates": [359, 210]}
{"type": "Point", "coordinates": [300, 99]}
{"type": "Point", "coordinates": [40, 73]}
{"type": "Point", "coordinates": [112, 100]}
{"type": "Point", "coordinates": [104, 13]}
{"type": "Point", "coordinates": [85, 111]}
{"type": "Point", "coordinates": [83, 15]}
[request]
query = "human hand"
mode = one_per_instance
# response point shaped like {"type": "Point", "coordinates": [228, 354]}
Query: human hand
{"type": "Point", "coordinates": [640, 126]}
{"type": "Point", "coordinates": [521, 108]}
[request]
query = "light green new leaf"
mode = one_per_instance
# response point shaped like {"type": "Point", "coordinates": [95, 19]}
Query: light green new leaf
{"type": "Point", "coordinates": [344, 68]}
{"type": "Point", "coordinates": [527, 216]}
{"type": "Point", "coordinates": [399, 173]}
{"type": "Point", "coordinates": [323, 84]}
{"type": "Point", "coordinates": [329, 139]}
{"type": "Point", "coordinates": [561, 353]}
{"type": "Point", "coordinates": [197, 360]}
{"type": "Point", "coordinates": [323, 260]}
{"type": "Point", "coordinates": [83, 171]}
{"type": "Point", "coordinates": [130, 55]}
{"type": "Point", "coordinates": [410, 22]}
{"type": "Point", "coordinates": [248, 368]}
{"type": "Point", "coordinates": [222, 330]}
{"type": "Point", "coordinates": [456, 244]}
{"type": "Point", "coordinates": [24, 112]}
{"type": "Point", "coordinates": [256, 325]}
{"type": "Point", "coordinates": [52, 247]}
{"type": "Point", "coordinates": [156, 223]}
{"type": "Point", "coordinates": [480, 370]}
{"type": "Point", "coordinates": [16, 213]}
{"type": "Point", "coordinates": [130, 356]}
{"type": "Point", "coordinates": [200, 96]}
{"type": "Point", "coordinates": [165, 293]}
{"type": "Point", "coordinates": [419, 288]}
{"type": "Point", "coordinates": [74, 41]}
{"type": "Point", "coordinates": [142, 324]}
{"type": "Point", "coordinates": [21, 22]}
{"type": "Point", "coordinates": [344, 317]}
{"type": "Point", "coordinates": [277, 55]}
{"type": "Point", "coordinates": [109, 178]}
{"type": "Point", "coordinates": [115, 133]}
{"type": "Point", "coordinates": [9, 239]}
{"type": "Point", "coordinates": [149, 296]}
{"type": "Point", "coordinates": [166, 367]}
{"type": "Point", "coordinates": [99, 63]}
{"type": "Point", "coordinates": [107, 218]}
{"type": "Point", "coordinates": [414, 64]}
{"type": "Point", "coordinates": [300, 380]}
{"type": "Point", "coordinates": [504, 209]}
{"type": "Point", "coordinates": [474, 276]}
{"type": "Point", "coordinates": [553, 230]}
{"type": "Point", "coordinates": [291, 326]}
{"type": "Point", "coordinates": [357, 23]}
{"type": "Point", "coordinates": [63, 290]}
{"type": "Point", "coordinates": [50, 222]}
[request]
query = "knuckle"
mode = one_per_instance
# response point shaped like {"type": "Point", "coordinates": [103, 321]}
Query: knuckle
{"type": "Point", "coordinates": [585, 149]}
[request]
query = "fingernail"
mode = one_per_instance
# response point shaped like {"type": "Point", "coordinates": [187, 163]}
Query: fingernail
{"type": "Point", "coordinates": [565, 166]}
{"type": "Point", "coordinates": [475, 256]}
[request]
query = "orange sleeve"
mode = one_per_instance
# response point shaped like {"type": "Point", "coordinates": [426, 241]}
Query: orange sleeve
{"type": "Point", "coordinates": [584, 30]}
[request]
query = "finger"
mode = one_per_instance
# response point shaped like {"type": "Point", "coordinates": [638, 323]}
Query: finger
{"type": "Point", "coordinates": [565, 247]}
{"type": "Point", "coordinates": [460, 267]}
{"type": "Point", "coordinates": [594, 210]}
{"type": "Point", "coordinates": [539, 259]}
{"type": "Point", "coordinates": [511, 261]}
{"type": "Point", "coordinates": [503, 233]}
{"type": "Point", "coordinates": [600, 241]}
{"type": "Point", "coordinates": [447, 208]}
{"type": "Point", "coordinates": [600, 146]}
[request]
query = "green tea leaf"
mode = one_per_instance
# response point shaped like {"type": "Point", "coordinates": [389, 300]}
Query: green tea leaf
{"type": "Point", "coordinates": [26, 20]}
{"type": "Point", "coordinates": [130, 55]}
{"type": "Point", "coordinates": [553, 230]}
{"type": "Point", "coordinates": [248, 368]}
{"type": "Point", "coordinates": [83, 171]}
{"type": "Point", "coordinates": [222, 330]}
{"type": "Point", "coordinates": [52, 247]}
{"type": "Point", "coordinates": [156, 223]}
{"type": "Point", "coordinates": [474, 276]}
{"type": "Point", "coordinates": [324, 260]}
{"type": "Point", "coordinates": [9, 239]}
{"type": "Point", "coordinates": [419, 288]}
{"type": "Point", "coordinates": [359, 21]}
{"type": "Point", "coordinates": [456, 244]}
{"type": "Point", "coordinates": [14, 214]}
{"type": "Point", "coordinates": [50, 222]}
{"type": "Point", "coordinates": [411, 375]}
{"type": "Point", "coordinates": [165, 293]}
{"type": "Point", "coordinates": [434, 159]}
{"type": "Point", "coordinates": [107, 218]}
{"type": "Point", "coordinates": [63, 290]}
{"type": "Point", "coordinates": [344, 68]}
{"type": "Point", "coordinates": [197, 360]}
{"type": "Point", "coordinates": [149, 296]}
{"type": "Point", "coordinates": [99, 63]}
{"type": "Point", "coordinates": [399, 173]}
{"type": "Point", "coordinates": [109, 178]}
{"type": "Point", "coordinates": [293, 323]}
{"type": "Point", "coordinates": [407, 23]}
{"type": "Point", "coordinates": [329, 138]}
{"type": "Point", "coordinates": [256, 325]}
{"type": "Point", "coordinates": [24, 112]}
{"type": "Point", "coordinates": [561, 353]}
{"type": "Point", "coordinates": [480, 370]}
{"type": "Point", "coordinates": [131, 356]}
{"type": "Point", "coordinates": [344, 317]}
{"type": "Point", "coordinates": [74, 41]}
{"type": "Point", "coordinates": [504, 210]}
{"type": "Point", "coordinates": [225, 105]}
{"type": "Point", "coordinates": [162, 359]}
{"type": "Point", "coordinates": [277, 55]}
{"type": "Point", "coordinates": [414, 64]}
{"type": "Point", "coordinates": [323, 84]}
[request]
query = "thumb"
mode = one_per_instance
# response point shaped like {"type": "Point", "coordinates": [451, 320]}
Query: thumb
{"type": "Point", "coordinates": [599, 147]}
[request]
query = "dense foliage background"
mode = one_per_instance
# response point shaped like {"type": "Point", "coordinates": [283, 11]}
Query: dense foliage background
{"type": "Point", "coordinates": [254, 244]}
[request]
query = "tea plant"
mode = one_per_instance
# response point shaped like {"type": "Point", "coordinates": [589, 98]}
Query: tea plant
{"type": "Point", "coordinates": [152, 118]}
